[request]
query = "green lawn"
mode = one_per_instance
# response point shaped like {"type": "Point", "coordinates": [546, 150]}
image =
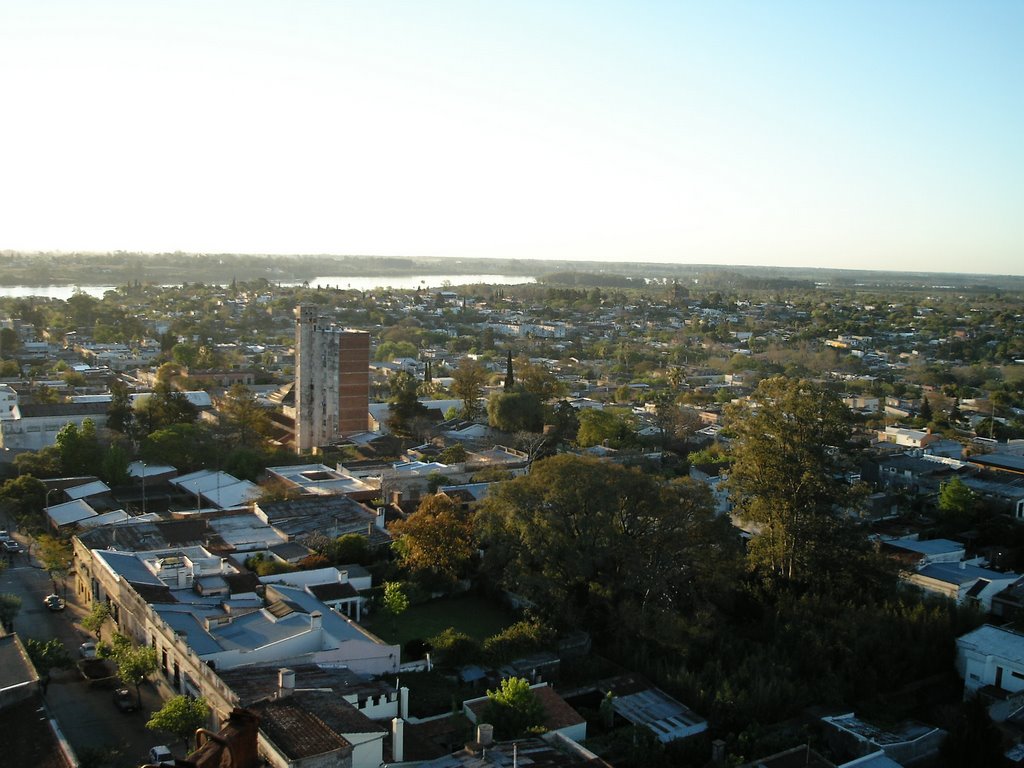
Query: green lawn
{"type": "Point", "coordinates": [477, 617]}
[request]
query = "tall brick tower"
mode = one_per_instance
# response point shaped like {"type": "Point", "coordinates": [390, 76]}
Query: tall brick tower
{"type": "Point", "coordinates": [332, 380]}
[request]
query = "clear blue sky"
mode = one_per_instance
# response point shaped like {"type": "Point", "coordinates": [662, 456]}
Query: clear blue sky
{"type": "Point", "coordinates": [870, 134]}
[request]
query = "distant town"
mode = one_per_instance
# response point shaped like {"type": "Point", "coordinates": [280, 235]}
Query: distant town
{"type": "Point", "coordinates": [593, 515]}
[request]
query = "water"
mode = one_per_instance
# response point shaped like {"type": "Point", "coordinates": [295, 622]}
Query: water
{"type": "Point", "coordinates": [412, 282]}
{"type": "Point", "coordinates": [64, 292]}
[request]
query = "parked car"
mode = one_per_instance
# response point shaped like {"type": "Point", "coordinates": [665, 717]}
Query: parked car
{"type": "Point", "coordinates": [125, 700]}
{"type": "Point", "coordinates": [54, 602]}
{"type": "Point", "coordinates": [160, 755]}
{"type": "Point", "coordinates": [12, 546]}
{"type": "Point", "coordinates": [87, 650]}
{"type": "Point", "coordinates": [5, 536]}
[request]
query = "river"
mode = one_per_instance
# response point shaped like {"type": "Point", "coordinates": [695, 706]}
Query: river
{"type": "Point", "coordinates": [64, 292]}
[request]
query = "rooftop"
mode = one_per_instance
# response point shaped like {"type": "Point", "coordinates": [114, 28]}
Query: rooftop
{"type": "Point", "coordinates": [994, 641]}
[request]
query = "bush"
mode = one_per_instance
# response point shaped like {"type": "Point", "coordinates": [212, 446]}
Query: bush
{"type": "Point", "coordinates": [456, 649]}
{"type": "Point", "coordinates": [520, 639]}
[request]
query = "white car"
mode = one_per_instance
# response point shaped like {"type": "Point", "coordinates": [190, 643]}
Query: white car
{"type": "Point", "coordinates": [160, 755]}
{"type": "Point", "coordinates": [87, 650]}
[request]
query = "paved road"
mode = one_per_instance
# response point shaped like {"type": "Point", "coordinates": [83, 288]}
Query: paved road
{"type": "Point", "coordinates": [86, 714]}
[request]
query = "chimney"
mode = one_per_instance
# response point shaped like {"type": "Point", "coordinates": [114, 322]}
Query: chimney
{"type": "Point", "coordinates": [398, 740]}
{"type": "Point", "coordinates": [485, 734]}
{"type": "Point", "coordinates": [285, 682]}
{"type": "Point", "coordinates": [403, 702]}
{"type": "Point", "coordinates": [380, 517]}
{"type": "Point", "coordinates": [718, 751]}
{"type": "Point", "coordinates": [315, 620]}
{"type": "Point", "coordinates": [396, 498]}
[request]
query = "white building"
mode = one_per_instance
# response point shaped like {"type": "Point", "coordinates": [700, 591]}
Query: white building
{"type": "Point", "coordinates": [991, 662]}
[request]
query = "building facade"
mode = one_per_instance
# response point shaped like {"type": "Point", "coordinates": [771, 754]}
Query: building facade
{"type": "Point", "coordinates": [332, 380]}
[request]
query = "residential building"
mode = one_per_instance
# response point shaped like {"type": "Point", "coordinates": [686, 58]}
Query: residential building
{"type": "Point", "coordinates": [991, 662]}
{"type": "Point", "coordinates": [332, 380]}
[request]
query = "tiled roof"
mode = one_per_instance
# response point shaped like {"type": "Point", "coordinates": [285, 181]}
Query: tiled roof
{"type": "Point", "coordinates": [297, 732]}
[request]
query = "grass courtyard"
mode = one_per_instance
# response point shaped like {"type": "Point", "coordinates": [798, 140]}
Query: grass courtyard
{"type": "Point", "coordinates": [477, 617]}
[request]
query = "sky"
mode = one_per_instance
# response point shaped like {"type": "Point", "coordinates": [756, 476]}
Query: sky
{"type": "Point", "coordinates": [879, 134]}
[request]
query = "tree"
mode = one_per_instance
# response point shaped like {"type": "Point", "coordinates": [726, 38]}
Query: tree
{"type": "Point", "coordinates": [181, 716]}
{"type": "Point", "coordinates": [598, 427]}
{"type": "Point", "coordinates": [114, 469]}
{"type": "Point", "coordinates": [350, 548]}
{"type": "Point", "coordinates": [79, 448]}
{"type": "Point", "coordinates": [510, 379]}
{"type": "Point", "coordinates": [453, 454]}
{"type": "Point", "coordinates": [55, 554]}
{"type": "Point", "coordinates": [403, 404]}
{"type": "Point", "coordinates": [245, 421]}
{"type": "Point", "coordinates": [468, 385]}
{"type": "Point", "coordinates": [395, 601]}
{"type": "Point", "coordinates": [164, 408]}
{"type": "Point", "coordinates": [557, 535]}
{"type": "Point", "coordinates": [134, 662]}
{"type": "Point", "coordinates": [513, 709]}
{"type": "Point", "coordinates": [957, 501]}
{"type": "Point", "coordinates": [186, 446]}
{"type": "Point", "coordinates": [456, 648]}
{"type": "Point", "coordinates": [120, 412]}
{"type": "Point", "coordinates": [436, 540]}
{"type": "Point", "coordinates": [47, 656]}
{"type": "Point", "coordinates": [97, 616]}
{"type": "Point", "coordinates": [515, 412]}
{"type": "Point", "coordinates": [926, 410]}
{"type": "Point", "coordinates": [24, 497]}
{"type": "Point", "coordinates": [538, 380]}
{"type": "Point", "coordinates": [784, 475]}
{"type": "Point", "coordinates": [9, 607]}
{"type": "Point", "coordinates": [42, 463]}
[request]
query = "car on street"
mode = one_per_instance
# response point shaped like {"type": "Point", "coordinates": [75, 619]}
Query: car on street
{"type": "Point", "coordinates": [87, 650]}
{"type": "Point", "coordinates": [12, 546]}
{"type": "Point", "coordinates": [54, 602]}
{"type": "Point", "coordinates": [125, 700]}
{"type": "Point", "coordinates": [160, 755]}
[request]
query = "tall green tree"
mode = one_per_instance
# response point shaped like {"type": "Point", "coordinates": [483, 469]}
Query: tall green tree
{"type": "Point", "coordinates": [515, 412]}
{"type": "Point", "coordinates": [55, 554]}
{"type": "Point", "coordinates": [79, 448]}
{"type": "Point", "coordinates": [468, 382]}
{"type": "Point", "coordinates": [46, 656]}
{"type": "Point", "coordinates": [134, 662]}
{"type": "Point", "coordinates": [395, 601]}
{"type": "Point", "coordinates": [181, 716]}
{"type": "Point", "coordinates": [957, 501]}
{"type": "Point", "coordinates": [590, 543]}
{"type": "Point", "coordinates": [97, 616]}
{"type": "Point", "coordinates": [24, 498]}
{"type": "Point", "coordinates": [597, 427]}
{"type": "Point", "coordinates": [784, 477]}
{"type": "Point", "coordinates": [513, 709]}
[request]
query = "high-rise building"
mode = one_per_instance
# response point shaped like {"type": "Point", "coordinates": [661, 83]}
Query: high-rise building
{"type": "Point", "coordinates": [332, 380]}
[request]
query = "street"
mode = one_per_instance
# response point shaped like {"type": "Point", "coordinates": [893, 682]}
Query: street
{"type": "Point", "coordinates": [87, 715]}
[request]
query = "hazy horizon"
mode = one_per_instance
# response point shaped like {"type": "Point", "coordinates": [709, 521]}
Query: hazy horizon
{"type": "Point", "coordinates": [878, 136]}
